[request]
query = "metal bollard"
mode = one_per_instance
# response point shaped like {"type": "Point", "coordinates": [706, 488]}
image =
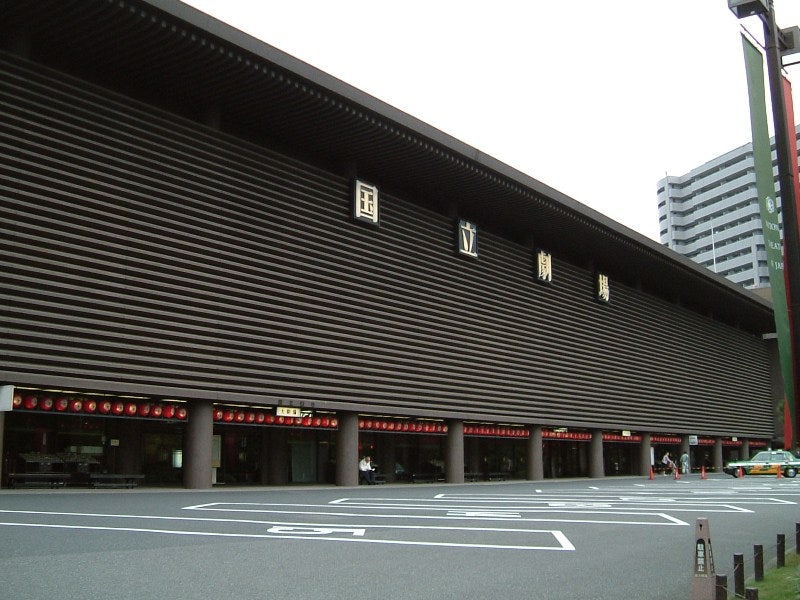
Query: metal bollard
{"type": "Point", "coordinates": [781, 550]}
{"type": "Point", "coordinates": [738, 575]}
{"type": "Point", "coordinates": [758, 561]}
{"type": "Point", "coordinates": [721, 588]}
{"type": "Point", "coordinates": [751, 594]}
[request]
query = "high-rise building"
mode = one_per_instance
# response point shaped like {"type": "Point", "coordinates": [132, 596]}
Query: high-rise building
{"type": "Point", "coordinates": [711, 215]}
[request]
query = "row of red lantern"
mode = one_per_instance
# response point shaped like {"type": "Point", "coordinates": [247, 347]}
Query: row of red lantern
{"type": "Point", "coordinates": [250, 417]}
{"type": "Point", "coordinates": [402, 426]}
{"type": "Point", "coordinates": [496, 431]}
{"type": "Point", "coordinates": [116, 408]}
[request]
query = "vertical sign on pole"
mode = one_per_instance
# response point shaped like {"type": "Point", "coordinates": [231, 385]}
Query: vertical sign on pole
{"type": "Point", "coordinates": [765, 187]}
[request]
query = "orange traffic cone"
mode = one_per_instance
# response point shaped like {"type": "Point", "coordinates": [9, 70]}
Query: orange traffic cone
{"type": "Point", "coordinates": [741, 472]}
{"type": "Point", "coordinates": [703, 472]}
{"type": "Point", "coordinates": [652, 474]}
{"type": "Point", "coordinates": [780, 473]}
{"type": "Point", "coordinates": [676, 472]}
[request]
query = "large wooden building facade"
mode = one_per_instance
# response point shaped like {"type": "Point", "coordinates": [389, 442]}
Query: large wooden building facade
{"type": "Point", "coordinates": [222, 265]}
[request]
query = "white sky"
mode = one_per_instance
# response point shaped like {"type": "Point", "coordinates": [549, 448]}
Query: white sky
{"type": "Point", "coordinates": [598, 104]}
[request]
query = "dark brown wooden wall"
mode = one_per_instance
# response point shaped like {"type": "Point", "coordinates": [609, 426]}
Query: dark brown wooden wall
{"type": "Point", "coordinates": [145, 253]}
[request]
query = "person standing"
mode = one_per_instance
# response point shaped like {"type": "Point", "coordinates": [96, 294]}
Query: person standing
{"type": "Point", "coordinates": [685, 463]}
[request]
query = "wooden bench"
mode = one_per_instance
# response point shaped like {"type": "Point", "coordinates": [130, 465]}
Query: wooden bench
{"type": "Point", "coordinates": [38, 479]}
{"type": "Point", "coordinates": [115, 480]}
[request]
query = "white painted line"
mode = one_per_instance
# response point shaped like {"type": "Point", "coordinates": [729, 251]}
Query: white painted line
{"type": "Point", "coordinates": [318, 534]}
{"type": "Point", "coordinates": [563, 542]}
{"type": "Point", "coordinates": [278, 523]}
{"type": "Point", "coordinates": [669, 522]}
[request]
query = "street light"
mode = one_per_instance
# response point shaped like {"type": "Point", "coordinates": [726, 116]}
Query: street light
{"type": "Point", "coordinates": [778, 43]}
{"type": "Point", "coordinates": [748, 8]}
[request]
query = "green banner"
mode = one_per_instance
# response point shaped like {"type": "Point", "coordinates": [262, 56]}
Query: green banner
{"type": "Point", "coordinates": [765, 187]}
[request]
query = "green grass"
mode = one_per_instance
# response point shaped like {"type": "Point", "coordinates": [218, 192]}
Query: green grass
{"type": "Point", "coordinates": [780, 584]}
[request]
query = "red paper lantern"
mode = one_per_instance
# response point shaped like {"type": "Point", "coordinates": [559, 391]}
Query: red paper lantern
{"type": "Point", "coordinates": [90, 406]}
{"type": "Point", "coordinates": [30, 402]}
{"type": "Point", "coordinates": [76, 405]}
{"type": "Point", "coordinates": [157, 411]}
{"type": "Point", "coordinates": [317, 422]}
{"type": "Point", "coordinates": [250, 417]}
{"type": "Point", "coordinates": [260, 418]}
{"type": "Point", "coordinates": [334, 423]}
{"type": "Point", "coordinates": [270, 419]}
{"type": "Point", "coordinates": [104, 407]}
{"type": "Point", "coordinates": [46, 403]}
{"type": "Point", "coordinates": [306, 421]}
{"type": "Point", "coordinates": [227, 416]}
{"type": "Point", "coordinates": [169, 411]}
{"type": "Point", "coordinates": [17, 402]}
{"type": "Point", "coordinates": [62, 404]}
{"type": "Point", "coordinates": [181, 413]}
{"type": "Point", "coordinates": [118, 408]}
{"type": "Point", "coordinates": [325, 422]}
{"type": "Point", "coordinates": [239, 416]}
{"type": "Point", "coordinates": [144, 410]}
{"type": "Point", "coordinates": [130, 408]}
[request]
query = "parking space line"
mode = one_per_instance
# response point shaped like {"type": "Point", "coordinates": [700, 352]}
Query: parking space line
{"type": "Point", "coordinates": [317, 531]}
{"type": "Point", "coordinates": [264, 508]}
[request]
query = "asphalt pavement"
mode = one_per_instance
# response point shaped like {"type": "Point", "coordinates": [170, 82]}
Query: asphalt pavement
{"type": "Point", "coordinates": [626, 537]}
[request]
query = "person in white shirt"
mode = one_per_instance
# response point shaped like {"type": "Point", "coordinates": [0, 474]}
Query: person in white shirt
{"type": "Point", "coordinates": [366, 471]}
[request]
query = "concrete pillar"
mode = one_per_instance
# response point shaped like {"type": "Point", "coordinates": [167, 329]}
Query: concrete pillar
{"type": "Point", "coordinates": [454, 454]}
{"type": "Point", "coordinates": [197, 445]}
{"type": "Point", "coordinates": [645, 458]}
{"type": "Point", "coordinates": [347, 449]}
{"type": "Point", "coordinates": [718, 455]}
{"type": "Point", "coordinates": [596, 467]}
{"type": "Point", "coordinates": [279, 456]}
{"type": "Point", "coordinates": [744, 451]}
{"type": "Point", "coordinates": [535, 454]}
